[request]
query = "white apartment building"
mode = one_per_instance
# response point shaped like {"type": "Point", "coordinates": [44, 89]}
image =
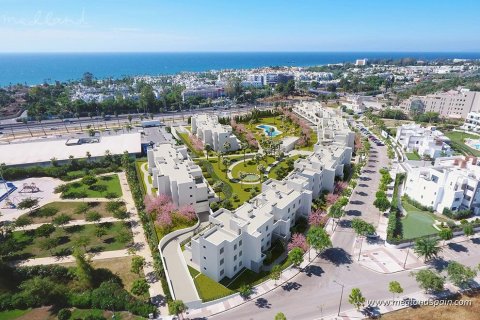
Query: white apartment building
{"type": "Point", "coordinates": [209, 130]}
{"type": "Point", "coordinates": [240, 238]}
{"type": "Point", "coordinates": [452, 182]}
{"type": "Point", "coordinates": [331, 127]}
{"type": "Point", "coordinates": [472, 122]}
{"type": "Point", "coordinates": [177, 176]}
{"type": "Point", "coordinates": [452, 104]}
{"type": "Point", "coordinates": [425, 141]}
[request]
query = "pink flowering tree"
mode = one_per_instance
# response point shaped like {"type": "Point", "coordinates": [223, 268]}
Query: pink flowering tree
{"type": "Point", "coordinates": [317, 218]}
{"type": "Point", "coordinates": [187, 212]}
{"type": "Point", "coordinates": [331, 198]}
{"type": "Point", "coordinates": [197, 144]}
{"type": "Point", "coordinates": [339, 187]}
{"type": "Point", "coordinates": [164, 220]}
{"type": "Point", "coordinates": [298, 240]}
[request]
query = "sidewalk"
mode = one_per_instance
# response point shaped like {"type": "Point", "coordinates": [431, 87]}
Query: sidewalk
{"type": "Point", "coordinates": [70, 224]}
{"type": "Point", "coordinates": [157, 296]}
{"type": "Point", "coordinates": [67, 259]}
{"type": "Point", "coordinates": [389, 305]}
{"type": "Point", "coordinates": [258, 291]}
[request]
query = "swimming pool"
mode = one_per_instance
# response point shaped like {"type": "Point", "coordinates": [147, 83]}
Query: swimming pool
{"type": "Point", "coordinates": [270, 131]}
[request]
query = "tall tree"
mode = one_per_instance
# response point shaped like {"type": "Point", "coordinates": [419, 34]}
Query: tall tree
{"type": "Point", "coordinates": [84, 270]}
{"type": "Point", "coordinates": [395, 288]}
{"type": "Point", "coordinates": [429, 280]}
{"type": "Point", "coordinates": [318, 239]}
{"type": "Point", "coordinates": [460, 275]}
{"type": "Point", "coordinates": [427, 248]}
{"type": "Point", "coordinates": [356, 298]}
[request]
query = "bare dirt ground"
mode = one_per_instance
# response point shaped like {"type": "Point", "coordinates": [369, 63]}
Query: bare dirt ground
{"type": "Point", "coordinates": [471, 312]}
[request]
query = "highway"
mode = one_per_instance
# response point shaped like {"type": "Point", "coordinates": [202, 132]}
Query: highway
{"type": "Point", "coordinates": [15, 130]}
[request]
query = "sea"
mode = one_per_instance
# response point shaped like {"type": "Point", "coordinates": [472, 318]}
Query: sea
{"type": "Point", "coordinates": [37, 68]}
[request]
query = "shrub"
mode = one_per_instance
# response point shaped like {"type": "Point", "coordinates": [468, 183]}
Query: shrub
{"type": "Point", "coordinates": [80, 300]}
{"type": "Point", "coordinates": [47, 212]}
{"type": "Point", "coordinates": [64, 314]}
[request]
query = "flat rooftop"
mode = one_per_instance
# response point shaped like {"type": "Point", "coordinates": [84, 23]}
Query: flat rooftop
{"type": "Point", "coordinates": [41, 151]}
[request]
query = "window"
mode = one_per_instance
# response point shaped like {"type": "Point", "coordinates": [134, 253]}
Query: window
{"type": "Point", "coordinates": [204, 247]}
{"type": "Point", "coordinates": [268, 235]}
{"type": "Point", "coordinates": [222, 272]}
{"type": "Point", "coordinates": [221, 250]}
{"type": "Point", "coordinates": [191, 188]}
{"type": "Point", "coordinates": [222, 261]}
{"type": "Point", "coordinates": [235, 268]}
{"type": "Point", "coordinates": [288, 210]}
{"type": "Point", "coordinates": [204, 258]}
{"type": "Point", "coordinates": [235, 247]}
{"type": "Point", "coordinates": [240, 263]}
{"type": "Point", "coordinates": [240, 243]}
{"type": "Point", "coordinates": [266, 229]}
{"type": "Point", "coordinates": [204, 268]}
{"type": "Point", "coordinates": [294, 206]}
{"type": "Point", "coordinates": [191, 196]}
{"type": "Point", "coordinates": [235, 258]}
{"type": "Point", "coordinates": [240, 253]}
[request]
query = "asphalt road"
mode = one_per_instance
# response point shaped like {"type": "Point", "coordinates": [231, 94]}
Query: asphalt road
{"type": "Point", "coordinates": [314, 293]}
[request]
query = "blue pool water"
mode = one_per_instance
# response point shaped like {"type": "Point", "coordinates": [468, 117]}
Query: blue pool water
{"type": "Point", "coordinates": [477, 146]}
{"type": "Point", "coordinates": [266, 129]}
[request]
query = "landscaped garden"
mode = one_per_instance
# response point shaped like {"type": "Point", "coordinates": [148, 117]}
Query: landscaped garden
{"type": "Point", "coordinates": [59, 241]}
{"type": "Point", "coordinates": [457, 141]}
{"type": "Point", "coordinates": [92, 187]}
{"type": "Point", "coordinates": [75, 210]}
{"type": "Point", "coordinates": [419, 222]}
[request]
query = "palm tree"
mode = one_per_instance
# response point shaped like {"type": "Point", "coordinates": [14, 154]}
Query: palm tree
{"type": "Point", "coordinates": [25, 122]}
{"type": "Point", "coordinates": [226, 162]}
{"type": "Point", "coordinates": [77, 115]}
{"type": "Point", "coordinates": [227, 146]}
{"type": "Point", "coordinates": [427, 248]}
{"type": "Point", "coordinates": [242, 176]}
{"type": "Point", "coordinates": [39, 119]}
{"type": "Point", "coordinates": [244, 147]}
{"type": "Point", "coordinates": [208, 148]}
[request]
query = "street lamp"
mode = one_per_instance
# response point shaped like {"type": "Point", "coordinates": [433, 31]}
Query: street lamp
{"type": "Point", "coordinates": [360, 252]}
{"type": "Point", "coordinates": [341, 296]}
{"type": "Point", "coordinates": [406, 257]}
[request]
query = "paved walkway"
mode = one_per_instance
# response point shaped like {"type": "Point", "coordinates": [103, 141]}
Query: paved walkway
{"type": "Point", "coordinates": [66, 259]}
{"type": "Point", "coordinates": [148, 185]}
{"type": "Point", "coordinates": [230, 176]}
{"type": "Point", "coordinates": [71, 223]}
{"type": "Point", "coordinates": [157, 295]}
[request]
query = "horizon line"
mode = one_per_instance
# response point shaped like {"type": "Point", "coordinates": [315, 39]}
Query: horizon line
{"type": "Point", "coordinates": [260, 51]}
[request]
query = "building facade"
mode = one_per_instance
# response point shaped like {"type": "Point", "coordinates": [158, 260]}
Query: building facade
{"type": "Point", "coordinates": [178, 177]}
{"type": "Point", "coordinates": [451, 104]}
{"type": "Point", "coordinates": [452, 183]}
{"type": "Point", "coordinates": [425, 141]}
{"type": "Point", "coordinates": [472, 122]}
{"type": "Point", "coordinates": [209, 130]}
{"type": "Point", "coordinates": [240, 238]}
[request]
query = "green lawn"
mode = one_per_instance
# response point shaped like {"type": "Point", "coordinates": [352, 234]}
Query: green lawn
{"type": "Point", "coordinates": [13, 314]}
{"type": "Point", "coordinates": [247, 276]}
{"type": "Point", "coordinates": [111, 182]}
{"type": "Point", "coordinates": [417, 223]}
{"type": "Point", "coordinates": [40, 215]}
{"type": "Point", "coordinates": [281, 166]}
{"type": "Point", "coordinates": [250, 166]}
{"type": "Point", "coordinates": [287, 128]}
{"type": "Point", "coordinates": [412, 156]}
{"type": "Point", "coordinates": [188, 143]}
{"type": "Point", "coordinates": [208, 289]}
{"type": "Point", "coordinates": [457, 141]}
{"type": "Point", "coordinates": [30, 244]}
{"type": "Point", "coordinates": [243, 192]}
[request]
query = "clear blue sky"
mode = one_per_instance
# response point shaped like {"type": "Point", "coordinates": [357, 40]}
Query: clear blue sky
{"type": "Point", "coordinates": [239, 25]}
